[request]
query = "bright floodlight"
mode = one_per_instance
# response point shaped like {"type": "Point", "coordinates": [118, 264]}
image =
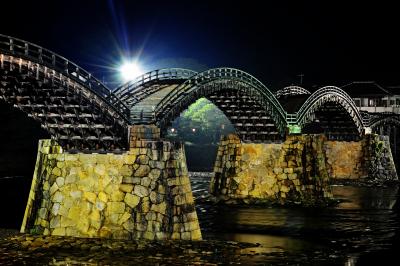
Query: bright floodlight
{"type": "Point", "coordinates": [130, 70]}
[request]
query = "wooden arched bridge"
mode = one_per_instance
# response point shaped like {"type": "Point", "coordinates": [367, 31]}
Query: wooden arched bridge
{"type": "Point", "coordinates": [82, 113]}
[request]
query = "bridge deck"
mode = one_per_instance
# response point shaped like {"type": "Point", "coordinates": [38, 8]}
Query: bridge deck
{"type": "Point", "coordinates": [142, 112]}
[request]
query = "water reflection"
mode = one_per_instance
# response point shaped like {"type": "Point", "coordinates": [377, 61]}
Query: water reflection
{"type": "Point", "coordinates": [366, 197]}
{"type": "Point", "coordinates": [365, 222]}
{"type": "Point", "coordinates": [269, 243]}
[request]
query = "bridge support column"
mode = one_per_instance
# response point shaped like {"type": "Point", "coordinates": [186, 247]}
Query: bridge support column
{"type": "Point", "coordinates": [290, 172]}
{"type": "Point", "coordinates": [143, 193]}
{"type": "Point", "coordinates": [144, 132]}
{"type": "Point", "coordinates": [381, 165]}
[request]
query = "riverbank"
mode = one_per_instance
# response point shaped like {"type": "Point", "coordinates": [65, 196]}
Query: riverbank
{"type": "Point", "coordinates": [43, 250]}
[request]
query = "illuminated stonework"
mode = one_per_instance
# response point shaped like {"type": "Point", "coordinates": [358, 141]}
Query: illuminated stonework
{"type": "Point", "coordinates": [144, 193]}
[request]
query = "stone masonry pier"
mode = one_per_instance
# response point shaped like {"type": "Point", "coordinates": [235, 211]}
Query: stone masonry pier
{"type": "Point", "coordinates": [142, 194]}
{"type": "Point", "coordinates": [293, 171]}
{"type": "Point", "coordinates": [298, 170]}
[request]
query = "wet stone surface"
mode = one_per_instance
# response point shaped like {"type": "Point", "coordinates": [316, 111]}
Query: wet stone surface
{"type": "Point", "coordinates": [67, 250]}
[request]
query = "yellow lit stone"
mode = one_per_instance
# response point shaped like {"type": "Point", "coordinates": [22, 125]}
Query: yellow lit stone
{"type": "Point", "coordinates": [102, 158]}
{"type": "Point", "coordinates": [149, 235]}
{"type": "Point", "coordinates": [103, 196]}
{"type": "Point", "coordinates": [145, 205]}
{"type": "Point", "coordinates": [105, 232]}
{"type": "Point", "coordinates": [116, 207]}
{"type": "Point", "coordinates": [129, 159]}
{"type": "Point", "coordinates": [90, 196]}
{"type": "Point", "coordinates": [66, 222]}
{"type": "Point", "coordinates": [56, 171]}
{"type": "Point", "coordinates": [126, 187]}
{"type": "Point", "coordinates": [87, 158]}
{"type": "Point", "coordinates": [117, 196]}
{"type": "Point", "coordinates": [95, 219]}
{"type": "Point", "coordinates": [83, 225]}
{"type": "Point", "coordinates": [74, 213]}
{"type": "Point", "coordinates": [284, 189]}
{"type": "Point", "coordinates": [58, 232]}
{"type": "Point", "coordinates": [242, 186]}
{"type": "Point", "coordinates": [124, 218]}
{"type": "Point", "coordinates": [82, 175]}
{"type": "Point", "coordinates": [161, 208]}
{"type": "Point", "coordinates": [131, 200]}
{"type": "Point", "coordinates": [126, 170]}
{"type": "Point", "coordinates": [196, 234]}
{"type": "Point", "coordinates": [112, 171]}
{"type": "Point", "coordinates": [176, 235]}
{"type": "Point", "coordinates": [114, 217]}
{"type": "Point", "coordinates": [255, 193]}
{"type": "Point", "coordinates": [100, 169]}
{"type": "Point", "coordinates": [46, 186]}
{"type": "Point", "coordinates": [44, 223]}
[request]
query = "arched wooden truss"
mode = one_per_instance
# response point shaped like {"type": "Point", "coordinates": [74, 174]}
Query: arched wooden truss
{"type": "Point", "coordinates": [329, 94]}
{"type": "Point", "coordinates": [74, 107]}
{"type": "Point", "coordinates": [215, 82]}
{"type": "Point", "coordinates": [291, 90]}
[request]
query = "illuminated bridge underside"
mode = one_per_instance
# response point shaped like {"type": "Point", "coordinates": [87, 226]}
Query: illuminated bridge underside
{"type": "Point", "coordinates": [72, 114]}
{"type": "Point", "coordinates": [70, 104]}
{"type": "Point", "coordinates": [334, 121]}
{"type": "Point", "coordinates": [254, 111]}
{"type": "Point", "coordinates": [250, 106]}
{"type": "Point", "coordinates": [251, 120]}
{"type": "Point", "coordinates": [333, 110]}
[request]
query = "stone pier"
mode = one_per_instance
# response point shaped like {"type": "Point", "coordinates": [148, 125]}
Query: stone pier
{"type": "Point", "coordinates": [289, 172]}
{"type": "Point", "coordinates": [299, 170]}
{"type": "Point", "coordinates": [370, 157]}
{"type": "Point", "coordinates": [144, 193]}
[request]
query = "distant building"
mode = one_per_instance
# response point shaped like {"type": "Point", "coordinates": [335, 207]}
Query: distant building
{"type": "Point", "coordinates": [373, 98]}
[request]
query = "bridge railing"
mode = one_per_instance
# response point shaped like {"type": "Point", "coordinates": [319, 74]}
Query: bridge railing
{"type": "Point", "coordinates": [291, 119]}
{"type": "Point", "coordinates": [32, 52]}
{"type": "Point", "coordinates": [135, 85]}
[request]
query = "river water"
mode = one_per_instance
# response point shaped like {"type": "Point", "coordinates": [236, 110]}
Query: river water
{"type": "Point", "coordinates": [362, 229]}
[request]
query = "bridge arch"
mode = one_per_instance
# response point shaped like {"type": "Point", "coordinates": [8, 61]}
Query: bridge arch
{"type": "Point", "coordinates": [250, 105]}
{"type": "Point", "coordinates": [331, 99]}
{"type": "Point", "coordinates": [132, 92]}
{"type": "Point", "coordinates": [74, 107]}
{"type": "Point", "coordinates": [384, 120]}
{"type": "Point", "coordinates": [291, 90]}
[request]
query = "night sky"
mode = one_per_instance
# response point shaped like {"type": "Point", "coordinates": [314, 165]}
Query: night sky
{"type": "Point", "coordinates": [330, 43]}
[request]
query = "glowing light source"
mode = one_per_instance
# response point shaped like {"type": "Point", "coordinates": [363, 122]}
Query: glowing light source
{"type": "Point", "coordinates": [130, 70]}
{"type": "Point", "coordinates": [193, 129]}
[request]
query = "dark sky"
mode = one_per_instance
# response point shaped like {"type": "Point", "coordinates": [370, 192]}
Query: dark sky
{"type": "Point", "coordinates": [330, 42]}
